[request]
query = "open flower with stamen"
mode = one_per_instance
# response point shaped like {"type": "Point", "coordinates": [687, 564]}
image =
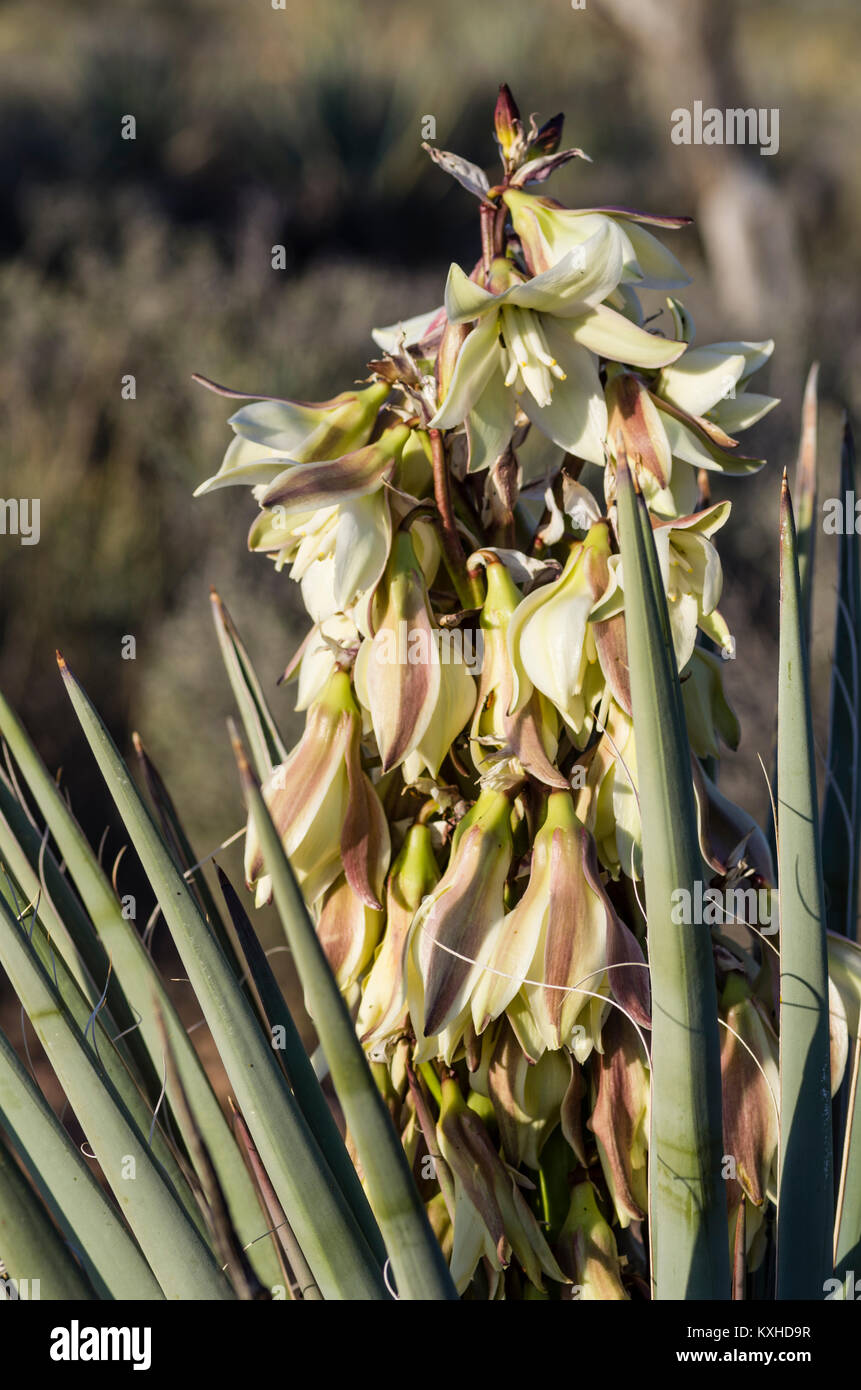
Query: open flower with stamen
{"type": "Point", "coordinates": [332, 522]}
{"type": "Point", "coordinates": [535, 343]}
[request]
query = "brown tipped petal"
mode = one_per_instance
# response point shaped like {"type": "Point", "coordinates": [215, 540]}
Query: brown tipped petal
{"type": "Point", "coordinates": [365, 844]}
{"type": "Point", "coordinates": [629, 978]}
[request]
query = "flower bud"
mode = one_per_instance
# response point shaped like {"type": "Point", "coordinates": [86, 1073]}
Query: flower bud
{"type": "Point", "coordinates": [491, 1215]}
{"type": "Point", "coordinates": [587, 1251]}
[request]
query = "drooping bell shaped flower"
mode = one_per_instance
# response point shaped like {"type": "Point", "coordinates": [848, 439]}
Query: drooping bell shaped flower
{"type": "Point", "coordinates": [620, 1119]}
{"type": "Point", "coordinates": [325, 807]}
{"type": "Point", "coordinates": [456, 925]}
{"type": "Point", "coordinates": [527, 1096]}
{"type": "Point", "coordinates": [588, 1253]}
{"type": "Point", "coordinates": [491, 1217]}
{"type": "Point", "coordinates": [332, 523]}
{"type": "Point", "coordinates": [751, 1090]}
{"type": "Point", "coordinates": [272, 431]}
{"type": "Point", "coordinates": [383, 1010]}
{"type": "Point", "coordinates": [533, 344]}
{"type": "Point", "coordinates": [564, 945]}
{"type": "Point", "coordinates": [708, 715]}
{"type": "Point", "coordinates": [418, 698]}
{"type": "Point", "coordinates": [549, 232]}
{"type": "Point", "coordinates": [554, 643]}
{"type": "Point", "coordinates": [711, 381]}
{"type": "Point", "coordinates": [330, 644]}
{"type": "Point", "coordinates": [607, 802]}
{"type": "Point", "coordinates": [530, 734]}
{"type": "Point", "coordinates": [349, 931]}
{"type": "Point", "coordinates": [693, 579]}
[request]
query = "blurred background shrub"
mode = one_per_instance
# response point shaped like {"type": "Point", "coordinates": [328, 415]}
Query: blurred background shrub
{"type": "Point", "coordinates": [302, 126]}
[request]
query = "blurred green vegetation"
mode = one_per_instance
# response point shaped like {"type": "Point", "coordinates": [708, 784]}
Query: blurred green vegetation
{"type": "Point", "coordinates": [259, 126]}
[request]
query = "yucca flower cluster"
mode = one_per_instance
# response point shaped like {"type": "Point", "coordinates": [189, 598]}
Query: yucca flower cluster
{"type": "Point", "coordinates": [461, 811]}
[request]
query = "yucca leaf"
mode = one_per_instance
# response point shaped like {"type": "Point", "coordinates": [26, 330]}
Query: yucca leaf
{"type": "Point", "coordinates": [111, 1259]}
{"type": "Point", "coordinates": [38, 876]}
{"type": "Point", "coordinates": [417, 1260]}
{"type": "Point", "coordinates": [325, 1228]}
{"type": "Point", "coordinates": [92, 1033]}
{"type": "Point", "coordinates": [30, 1246]}
{"type": "Point", "coordinates": [805, 493]}
{"type": "Point", "coordinates": [175, 1250]}
{"type": "Point", "coordinates": [264, 740]}
{"type": "Point", "coordinates": [844, 969]}
{"type": "Point", "coordinates": [841, 813]}
{"type": "Point", "coordinates": [133, 969]}
{"type": "Point", "coordinates": [306, 1285]}
{"type": "Point", "coordinates": [303, 1079]}
{"type": "Point", "coordinates": [687, 1199]}
{"type": "Point", "coordinates": [805, 1187]}
{"type": "Point", "coordinates": [174, 834]}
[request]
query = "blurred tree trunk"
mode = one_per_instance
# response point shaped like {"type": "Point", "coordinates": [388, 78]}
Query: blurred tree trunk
{"type": "Point", "coordinates": [686, 52]}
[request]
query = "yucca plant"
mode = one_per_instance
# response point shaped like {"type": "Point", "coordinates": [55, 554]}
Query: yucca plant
{"type": "Point", "coordinates": [583, 1038]}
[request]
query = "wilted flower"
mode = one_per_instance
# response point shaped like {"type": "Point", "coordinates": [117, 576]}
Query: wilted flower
{"type": "Point", "coordinates": [531, 335]}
